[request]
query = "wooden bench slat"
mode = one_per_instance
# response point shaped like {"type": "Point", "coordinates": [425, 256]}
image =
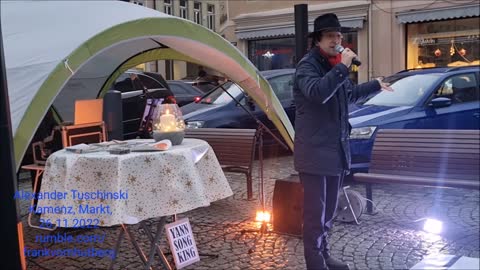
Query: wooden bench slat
{"type": "Point", "coordinates": [426, 149]}
{"type": "Point", "coordinates": [398, 153]}
{"type": "Point", "coordinates": [428, 140]}
{"type": "Point", "coordinates": [412, 167]}
{"type": "Point", "coordinates": [421, 145]}
{"type": "Point", "coordinates": [433, 163]}
{"type": "Point", "coordinates": [429, 131]}
{"type": "Point", "coordinates": [411, 180]}
{"type": "Point", "coordinates": [429, 174]}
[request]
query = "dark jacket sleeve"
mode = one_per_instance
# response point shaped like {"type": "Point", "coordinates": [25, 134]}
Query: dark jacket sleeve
{"type": "Point", "coordinates": [361, 92]}
{"type": "Point", "coordinates": [317, 88]}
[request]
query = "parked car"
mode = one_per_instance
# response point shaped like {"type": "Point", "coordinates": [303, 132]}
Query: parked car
{"type": "Point", "coordinates": [437, 98]}
{"type": "Point", "coordinates": [137, 87]}
{"type": "Point", "coordinates": [219, 109]}
{"type": "Point", "coordinates": [185, 92]}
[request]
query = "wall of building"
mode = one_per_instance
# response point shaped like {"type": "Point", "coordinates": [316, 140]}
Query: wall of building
{"type": "Point", "coordinates": [383, 44]}
{"type": "Point", "coordinates": [179, 69]}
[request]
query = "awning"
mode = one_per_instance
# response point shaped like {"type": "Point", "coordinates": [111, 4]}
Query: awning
{"type": "Point", "coordinates": [289, 30]}
{"type": "Point", "coordinates": [412, 16]}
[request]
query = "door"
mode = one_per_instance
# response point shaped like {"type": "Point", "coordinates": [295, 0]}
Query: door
{"type": "Point", "coordinates": [464, 112]}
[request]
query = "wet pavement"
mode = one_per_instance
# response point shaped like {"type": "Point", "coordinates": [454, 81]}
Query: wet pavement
{"type": "Point", "coordinates": [391, 239]}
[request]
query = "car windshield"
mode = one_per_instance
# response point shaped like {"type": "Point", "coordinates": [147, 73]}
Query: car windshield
{"type": "Point", "coordinates": [408, 91]}
{"type": "Point", "coordinates": [219, 96]}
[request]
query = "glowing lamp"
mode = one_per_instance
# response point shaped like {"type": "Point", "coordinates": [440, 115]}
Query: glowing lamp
{"type": "Point", "coordinates": [168, 124]}
{"type": "Point", "coordinates": [263, 216]}
{"type": "Point", "coordinates": [438, 52]}
{"type": "Point", "coordinates": [433, 226]}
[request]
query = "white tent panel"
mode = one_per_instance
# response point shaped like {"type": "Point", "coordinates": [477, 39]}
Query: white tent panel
{"type": "Point", "coordinates": [71, 48]}
{"type": "Point", "coordinates": [31, 55]}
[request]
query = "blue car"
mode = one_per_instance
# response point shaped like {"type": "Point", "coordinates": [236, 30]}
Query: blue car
{"type": "Point", "coordinates": [437, 98]}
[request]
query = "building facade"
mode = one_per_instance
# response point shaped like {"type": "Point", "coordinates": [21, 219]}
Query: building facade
{"type": "Point", "coordinates": [203, 12]}
{"type": "Point", "coordinates": [388, 35]}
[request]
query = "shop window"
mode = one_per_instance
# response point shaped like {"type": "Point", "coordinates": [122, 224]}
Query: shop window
{"type": "Point", "coordinates": [447, 43]}
{"type": "Point", "coordinates": [268, 54]}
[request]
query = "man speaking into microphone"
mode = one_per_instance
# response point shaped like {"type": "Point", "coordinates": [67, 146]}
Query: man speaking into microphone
{"type": "Point", "coordinates": [322, 91]}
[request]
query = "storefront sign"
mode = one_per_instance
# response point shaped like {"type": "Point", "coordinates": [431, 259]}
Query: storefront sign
{"type": "Point", "coordinates": [424, 41]}
{"type": "Point", "coordinates": [182, 244]}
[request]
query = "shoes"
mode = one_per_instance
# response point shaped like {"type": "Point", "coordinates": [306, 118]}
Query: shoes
{"type": "Point", "coordinates": [315, 261]}
{"type": "Point", "coordinates": [335, 264]}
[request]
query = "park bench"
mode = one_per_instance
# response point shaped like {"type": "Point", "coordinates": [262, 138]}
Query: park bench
{"type": "Point", "coordinates": [427, 157]}
{"type": "Point", "coordinates": [234, 148]}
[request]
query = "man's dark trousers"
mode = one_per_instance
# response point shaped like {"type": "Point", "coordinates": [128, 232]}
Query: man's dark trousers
{"type": "Point", "coordinates": [319, 205]}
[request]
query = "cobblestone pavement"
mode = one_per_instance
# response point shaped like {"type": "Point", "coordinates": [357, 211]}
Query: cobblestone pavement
{"type": "Point", "coordinates": [389, 240]}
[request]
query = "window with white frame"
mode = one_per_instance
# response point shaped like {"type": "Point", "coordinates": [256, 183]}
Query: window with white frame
{"type": "Point", "coordinates": [167, 7]}
{"type": "Point", "coordinates": [184, 9]}
{"type": "Point", "coordinates": [197, 12]}
{"type": "Point", "coordinates": [211, 17]}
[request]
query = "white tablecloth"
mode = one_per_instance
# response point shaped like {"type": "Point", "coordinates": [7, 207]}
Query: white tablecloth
{"type": "Point", "coordinates": [163, 183]}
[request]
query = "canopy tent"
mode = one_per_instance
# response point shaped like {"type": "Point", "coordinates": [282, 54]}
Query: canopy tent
{"type": "Point", "coordinates": [72, 49]}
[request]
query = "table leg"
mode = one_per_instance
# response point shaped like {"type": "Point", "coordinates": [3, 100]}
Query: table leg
{"type": "Point", "coordinates": [117, 247]}
{"type": "Point", "coordinates": [154, 246]}
{"type": "Point", "coordinates": [134, 243]}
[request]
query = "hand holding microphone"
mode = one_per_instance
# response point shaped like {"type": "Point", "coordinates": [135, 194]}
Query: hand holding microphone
{"type": "Point", "coordinates": [348, 56]}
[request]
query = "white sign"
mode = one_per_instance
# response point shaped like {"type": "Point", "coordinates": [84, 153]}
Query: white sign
{"type": "Point", "coordinates": [182, 243]}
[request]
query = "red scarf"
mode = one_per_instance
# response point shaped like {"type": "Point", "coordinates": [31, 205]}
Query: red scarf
{"type": "Point", "coordinates": [333, 60]}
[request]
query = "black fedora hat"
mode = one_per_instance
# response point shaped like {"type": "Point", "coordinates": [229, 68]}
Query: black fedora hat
{"type": "Point", "coordinates": [327, 22]}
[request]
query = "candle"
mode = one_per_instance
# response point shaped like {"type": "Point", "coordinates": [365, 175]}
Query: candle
{"type": "Point", "coordinates": [167, 122]}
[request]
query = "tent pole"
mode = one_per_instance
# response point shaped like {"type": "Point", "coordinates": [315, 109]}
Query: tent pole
{"type": "Point", "coordinates": [11, 226]}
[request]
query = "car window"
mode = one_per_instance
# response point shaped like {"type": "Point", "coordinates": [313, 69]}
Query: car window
{"type": "Point", "coordinates": [407, 91]}
{"type": "Point", "coordinates": [148, 82]}
{"type": "Point", "coordinates": [282, 86]}
{"type": "Point", "coordinates": [219, 95]}
{"type": "Point", "coordinates": [460, 88]}
{"type": "Point", "coordinates": [179, 88]}
{"type": "Point", "coordinates": [123, 84]}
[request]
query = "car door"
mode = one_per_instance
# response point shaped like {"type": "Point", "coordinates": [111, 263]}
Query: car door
{"type": "Point", "coordinates": [464, 111]}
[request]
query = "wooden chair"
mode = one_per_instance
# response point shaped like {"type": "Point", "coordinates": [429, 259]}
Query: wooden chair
{"type": "Point", "coordinates": [88, 127]}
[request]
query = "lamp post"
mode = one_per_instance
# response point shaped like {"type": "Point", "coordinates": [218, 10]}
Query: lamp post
{"type": "Point", "coordinates": [11, 225]}
{"type": "Point", "coordinates": [301, 30]}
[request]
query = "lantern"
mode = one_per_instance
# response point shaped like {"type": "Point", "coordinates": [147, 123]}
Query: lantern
{"type": "Point", "coordinates": [168, 123]}
{"type": "Point", "coordinates": [438, 52]}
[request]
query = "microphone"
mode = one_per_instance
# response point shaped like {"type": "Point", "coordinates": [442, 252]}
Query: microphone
{"type": "Point", "coordinates": [339, 48]}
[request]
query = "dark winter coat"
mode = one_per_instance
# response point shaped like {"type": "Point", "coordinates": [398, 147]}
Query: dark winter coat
{"type": "Point", "coordinates": [322, 93]}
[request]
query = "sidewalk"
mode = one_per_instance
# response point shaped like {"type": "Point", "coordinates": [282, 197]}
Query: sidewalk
{"type": "Point", "coordinates": [389, 240]}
